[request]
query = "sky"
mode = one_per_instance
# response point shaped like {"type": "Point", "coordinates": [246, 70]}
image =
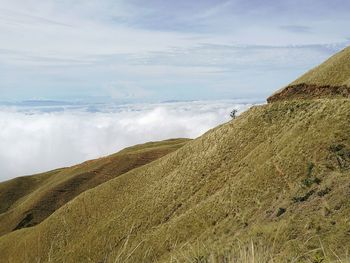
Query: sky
{"type": "Point", "coordinates": [156, 50]}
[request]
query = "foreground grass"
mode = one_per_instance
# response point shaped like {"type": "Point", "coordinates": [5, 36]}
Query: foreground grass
{"type": "Point", "coordinates": [250, 252]}
{"type": "Point", "coordinates": [257, 253]}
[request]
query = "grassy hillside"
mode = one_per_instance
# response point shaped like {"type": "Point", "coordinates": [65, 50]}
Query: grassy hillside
{"type": "Point", "coordinates": [278, 175]}
{"type": "Point", "coordinates": [330, 79]}
{"type": "Point", "coordinates": [27, 201]}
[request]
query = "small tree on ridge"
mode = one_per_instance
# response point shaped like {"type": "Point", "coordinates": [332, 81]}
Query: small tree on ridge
{"type": "Point", "coordinates": [233, 113]}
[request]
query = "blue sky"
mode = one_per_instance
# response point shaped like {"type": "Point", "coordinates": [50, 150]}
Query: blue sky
{"type": "Point", "coordinates": [158, 50]}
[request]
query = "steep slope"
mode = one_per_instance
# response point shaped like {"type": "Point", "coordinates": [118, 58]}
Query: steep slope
{"type": "Point", "coordinates": [330, 79]}
{"type": "Point", "coordinates": [27, 201]}
{"type": "Point", "coordinates": [278, 174]}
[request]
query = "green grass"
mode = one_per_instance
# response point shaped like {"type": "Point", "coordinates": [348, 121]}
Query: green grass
{"type": "Point", "coordinates": [225, 186]}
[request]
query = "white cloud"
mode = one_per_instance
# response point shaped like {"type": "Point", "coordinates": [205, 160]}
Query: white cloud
{"type": "Point", "coordinates": [37, 139]}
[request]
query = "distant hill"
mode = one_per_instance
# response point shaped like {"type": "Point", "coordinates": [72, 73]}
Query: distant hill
{"type": "Point", "coordinates": [272, 185]}
{"type": "Point", "coordinates": [330, 79]}
{"type": "Point", "coordinates": [27, 201]}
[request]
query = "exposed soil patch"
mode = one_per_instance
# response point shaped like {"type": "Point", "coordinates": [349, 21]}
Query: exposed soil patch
{"type": "Point", "coordinates": [307, 91]}
{"type": "Point", "coordinates": [26, 222]}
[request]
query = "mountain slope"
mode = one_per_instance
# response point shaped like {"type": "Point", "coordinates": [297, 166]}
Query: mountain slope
{"type": "Point", "coordinates": [330, 79]}
{"type": "Point", "coordinates": [278, 174]}
{"type": "Point", "coordinates": [27, 201]}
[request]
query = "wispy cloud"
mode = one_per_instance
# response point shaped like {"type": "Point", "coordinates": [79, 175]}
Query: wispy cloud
{"type": "Point", "coordinates": [51, 48]}
{"type": "Point", "coordinates": [296, 29]}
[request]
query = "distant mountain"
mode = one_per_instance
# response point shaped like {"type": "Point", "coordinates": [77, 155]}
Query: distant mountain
{"type": "Point", "coordinates": [271, 185]}
{"type": "Point", "coordinates": [43, 102]}
{"type": "Point", "coordinates": [38, 103]}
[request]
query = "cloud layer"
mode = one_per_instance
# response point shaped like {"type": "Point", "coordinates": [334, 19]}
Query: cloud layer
{"type": "Point", "coordinates": [38, 137]}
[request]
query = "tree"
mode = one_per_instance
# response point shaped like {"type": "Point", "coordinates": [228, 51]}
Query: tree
{"type": "Point", "coordinates": [233, 113]}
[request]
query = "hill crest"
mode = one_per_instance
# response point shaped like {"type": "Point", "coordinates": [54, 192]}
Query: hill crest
{"type": "Point", "coordinates": [329, 80]}
{"type": "Point", "coordinates": [29, 200]}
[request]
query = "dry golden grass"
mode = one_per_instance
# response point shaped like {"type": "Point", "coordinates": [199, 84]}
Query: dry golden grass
{"type": "Point", "coordinates": [334, 72]}
{"type": "Point", "coordinates": [278, 175]}
{"type": "Point", "coordinates": [27, 201]}
{"type": "Point", "coordinates": [330, 79]}
{"type": "Point", "coordinates": [254, 253]}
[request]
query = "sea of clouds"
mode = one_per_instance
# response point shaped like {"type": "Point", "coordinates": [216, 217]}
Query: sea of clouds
{"type": "Point", "coordinates": [36, 136]}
